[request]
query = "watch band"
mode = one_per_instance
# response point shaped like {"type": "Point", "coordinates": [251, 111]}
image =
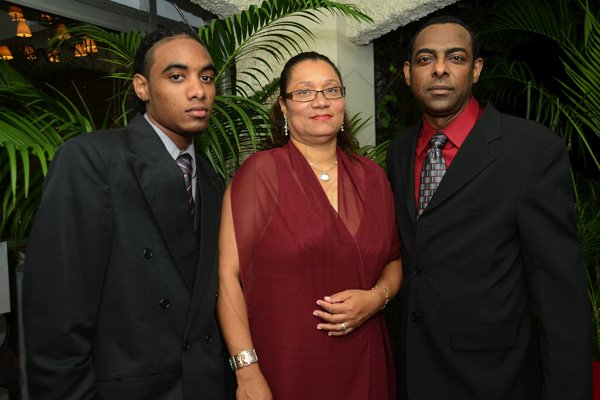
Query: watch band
{"type": "Point", "coordinates": [243, 358]}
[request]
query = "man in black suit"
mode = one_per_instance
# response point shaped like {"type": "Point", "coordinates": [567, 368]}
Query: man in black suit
{"type": "Point", "coordinates": [494, 302]}
{"type": "Point", "coordinates": [121, 272]}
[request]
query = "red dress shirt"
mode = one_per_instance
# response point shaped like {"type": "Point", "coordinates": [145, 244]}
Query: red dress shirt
{"type": "Point", "coordinates": [456, 132]}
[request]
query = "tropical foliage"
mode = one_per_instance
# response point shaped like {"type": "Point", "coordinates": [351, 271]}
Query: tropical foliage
{"type": "Point", "coordinates": [556, 82]}
{"type": "Point", "coordinates": [34, 121]}
{"type": "Point", "coordinates": [32, 125]}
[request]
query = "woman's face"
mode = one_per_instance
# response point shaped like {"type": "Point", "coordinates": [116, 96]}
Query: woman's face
{"type": "Point", "coordinates": [319, 120]}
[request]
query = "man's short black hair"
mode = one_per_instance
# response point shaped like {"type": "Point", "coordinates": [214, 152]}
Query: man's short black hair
{"type": "Point", "coordinates": [445, 19]}
{"type": "Point", "coordinates": [144, 53]}
{"type": "Point", "coordinates": [144, 56]}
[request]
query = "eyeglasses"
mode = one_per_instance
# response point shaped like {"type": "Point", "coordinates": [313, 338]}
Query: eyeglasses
{"type": "Point", "coordinates": [306, 95]}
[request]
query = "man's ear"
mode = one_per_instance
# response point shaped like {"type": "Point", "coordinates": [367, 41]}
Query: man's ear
{"type": "Point", "coordinates": [477, 68]}
{"type": "Point", "coordinates": [140, 86]}
{"type": "Point", "coordinates": [407, 72]}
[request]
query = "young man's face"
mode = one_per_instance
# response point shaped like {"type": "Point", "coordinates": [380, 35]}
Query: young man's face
{"type": "Point", "coordinates": [179, 90]}
{"type": "Point", "coordinates": [442, 71]}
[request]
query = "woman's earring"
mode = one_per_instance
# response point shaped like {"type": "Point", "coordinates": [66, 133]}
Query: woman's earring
{"type": "Point", "coordinates": [342, 128]}
{"type": "Point", "coordinates": [285, 127]}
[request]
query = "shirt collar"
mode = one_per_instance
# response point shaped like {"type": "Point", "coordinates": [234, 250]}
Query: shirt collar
{"type": "Point", "coordinates": [173, 150]}
{"type": "Point", "coordinates": [456, 132]}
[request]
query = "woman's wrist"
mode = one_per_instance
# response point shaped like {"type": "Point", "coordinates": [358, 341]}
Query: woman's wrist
{"type": "Point", "coordinates": [243, 359]}
{"type": "Point", "coordinates": [247, 373]}
{"type": "Point", "coordinates": [386, 294]}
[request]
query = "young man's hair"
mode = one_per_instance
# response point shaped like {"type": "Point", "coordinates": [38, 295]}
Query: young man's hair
{"type": "Point", "coordinates": [144, 56]}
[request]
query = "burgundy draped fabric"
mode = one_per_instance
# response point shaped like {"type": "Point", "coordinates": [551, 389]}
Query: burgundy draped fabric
{"type": "Point", "coordinates": [294, 248]}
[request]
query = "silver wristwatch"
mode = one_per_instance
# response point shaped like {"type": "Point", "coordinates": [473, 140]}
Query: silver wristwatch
{"type": "Point", "coordinates": [242, 359]}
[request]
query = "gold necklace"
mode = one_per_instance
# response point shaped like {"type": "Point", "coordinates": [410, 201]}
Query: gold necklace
{"type": "Point", "coordinates": [323, 174]}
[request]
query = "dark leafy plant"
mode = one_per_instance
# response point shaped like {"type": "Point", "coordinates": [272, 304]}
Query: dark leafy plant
{"type": "Point", "coordinates": [32, 125]}
{"type": "Point", "coordinates": [563, 91]}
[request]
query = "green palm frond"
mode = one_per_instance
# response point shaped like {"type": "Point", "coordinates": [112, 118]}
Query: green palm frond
{"type": "Point", "coordinates": [19, 208]}
{"type": "Point", "coordinates": [583, 89]}
{"type": "Point", "coordinates": [552, 19]}
{"type": "Point", "coordinates": [25, 145]}
{"type": "Point", "coordinates": [514, 83]}
{"type": "Point", "coordinates": [118, 48]}
{"type": "Point", "coordinates": [263, 30]}
{"type": "Point", "coordinates": [237, 127]}
{"type": "Point", "coordinates": [357, 122]}
{"type": "Point", "coordinates": [573, 110]}
{"type": "Point", "coordinates": [32, 125]}
{"type": "Point", "coordinates": [376, 153]}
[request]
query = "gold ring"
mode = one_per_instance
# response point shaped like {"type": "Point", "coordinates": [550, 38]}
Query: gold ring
{"type": "Point", "coordinates": [343, 326]}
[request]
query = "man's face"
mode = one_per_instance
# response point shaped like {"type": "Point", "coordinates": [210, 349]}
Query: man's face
{"type": "Point", "coordinates": [442, 71]}
{"type": "Point", "coordinates": [180, 89]}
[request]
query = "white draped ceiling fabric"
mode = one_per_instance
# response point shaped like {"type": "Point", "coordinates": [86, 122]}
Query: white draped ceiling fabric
{"type": "Point", "coordinates": [387, 14]}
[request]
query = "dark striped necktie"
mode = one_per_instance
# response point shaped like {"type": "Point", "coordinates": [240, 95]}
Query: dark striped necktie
{"type": "Point", "coordinates": [434, 168]}
{"type": "Point", "coordinates": [185, 163]}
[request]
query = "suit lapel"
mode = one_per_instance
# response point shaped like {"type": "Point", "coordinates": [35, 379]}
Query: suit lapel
{"type": "Point", "coordinates": [160, 180]}
{"type": "Point", "coordinates": [477, 152]}
{"type": "Point", "coordinates": [407, 168]}
{"type": "Point", "coordinates": [208, 211]}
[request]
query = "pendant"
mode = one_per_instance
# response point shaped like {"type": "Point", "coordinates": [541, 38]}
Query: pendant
{"type": "Point", "coordinates": [324, 176]}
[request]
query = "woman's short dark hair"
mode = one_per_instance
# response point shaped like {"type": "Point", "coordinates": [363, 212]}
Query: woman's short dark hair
{"type": "Point", "coordinates": [345, 138]}
{"type": "Point", "coordinates": [144, 56]}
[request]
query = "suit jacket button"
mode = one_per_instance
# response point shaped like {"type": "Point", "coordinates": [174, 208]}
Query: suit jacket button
{"type": "Point", "coordinates": [165, 303]}
{"type": "Point", "coordinates": [148, 253]}
{"type": "Point", "coordinates": [187, 345]}
{"type": "Point", "coordinates": [208, 339]}
{"type": "Point", "coordinates": [417, 270]}
{"type": "Point", "coordinates": [414, 316]}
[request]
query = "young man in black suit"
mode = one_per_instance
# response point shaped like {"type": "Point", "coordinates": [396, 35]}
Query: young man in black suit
{"type": "Point", "coordinates": [494, 302]}
{"type": "Point", "coordinates": [121, 272]}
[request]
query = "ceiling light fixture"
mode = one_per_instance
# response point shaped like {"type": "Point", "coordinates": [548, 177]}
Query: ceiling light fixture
{"type": "Point", "coordinates": [5, 53]}
{"type": "Point", "coordinates": [16, 14]}
{"type": "Point", "coordinates": [90, 46]}
{"type": "Point", "coordinates": [61, 32]}
{"type": "Point", "coordinates": [80, 50]}
{"type": "Point", "coordinates": [46, 18]}
{"type": "Point", "coordinates": [30, 53]}
{"type": "Point", "coordinates": [23, 29]}
{"type": "Point", "coordinates": [53, 56]}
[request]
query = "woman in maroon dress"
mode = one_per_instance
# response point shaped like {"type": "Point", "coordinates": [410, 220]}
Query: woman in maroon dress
{"type": "Point", "coordinates": [309, 253]}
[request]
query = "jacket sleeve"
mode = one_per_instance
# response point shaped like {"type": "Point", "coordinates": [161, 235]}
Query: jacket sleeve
{"type": "Point", "coordinates": [547, 229]}
{"type": "Point", "coordinates": [67, 255]}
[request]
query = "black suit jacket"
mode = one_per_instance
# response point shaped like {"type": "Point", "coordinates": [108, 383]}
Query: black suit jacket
{"type": "Point", "coordinates": [107, 310]}
{"type": "Point", "coordinates": [496, 246]}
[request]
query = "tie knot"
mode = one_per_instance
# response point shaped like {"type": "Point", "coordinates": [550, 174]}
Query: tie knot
{"type": "Point", "coordinates": [185, 162]}
{"type": "Point", "coordinates": [438, 140]}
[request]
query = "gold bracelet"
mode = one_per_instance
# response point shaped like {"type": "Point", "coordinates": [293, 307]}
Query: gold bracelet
{"type": "Point", "coordinates": [385, 292]}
